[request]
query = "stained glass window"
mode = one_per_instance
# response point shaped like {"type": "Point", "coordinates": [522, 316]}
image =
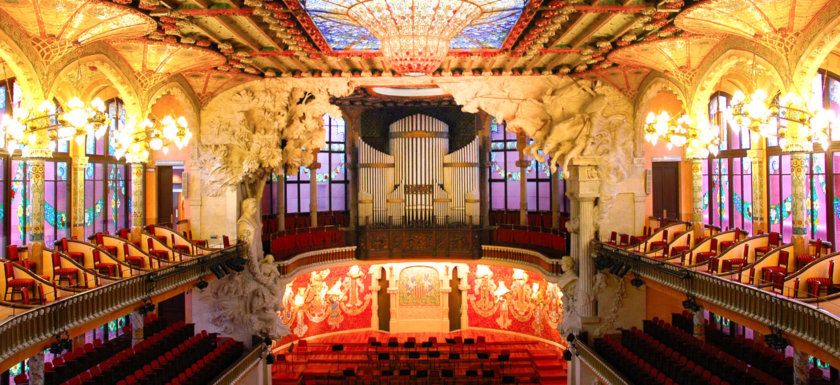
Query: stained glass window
{"type": "Point", "coordinates": [56, 202]}
{"type": "Point", "coordinates": [342, 33]}
{"type": "Point", "coordinates": [331, 177]}
{"type": "Point", "coordinates": [780, 200]}
{"type": "Point", "coordinates": [20, 202]}
{"type": "Point", "coordinates": [742, 210]}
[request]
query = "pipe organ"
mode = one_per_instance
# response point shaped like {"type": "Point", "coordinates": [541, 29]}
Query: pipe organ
{"type": "Point", "coordinates": [421, 183]}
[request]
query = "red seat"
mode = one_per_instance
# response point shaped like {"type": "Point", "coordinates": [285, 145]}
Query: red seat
{"type": "Point", "coordinates": [706, 255]}
{"type": "Point", "coordinates": [157, 253]}
{"type": "Point", "coordinates": [197, 242]}
{"type": "Point", "coordinates": [773, 241]}
{"type": "Point", "coordinates": [12, 255]}
{"type": "Point", "coordinates": [79, 257]}
{"type": "Point", "coordinates": [729, 264]}
{"type": "Point", "coordinates": [17, 285]}
{"type": "Point", "coordinates": [816, 284]}
{"type": "Point", "coordinates": [183, 249]}
{"type": "Point", "coordinates": [133, 260]}
{"type": "Point", "coordinates": [781, 266]}
{"type": "Point", "coordinates": [100, 241]}
{"type": "Point", "coordinates": [107, 268]}
{"type": "Point", "coordinates": [225, 241]}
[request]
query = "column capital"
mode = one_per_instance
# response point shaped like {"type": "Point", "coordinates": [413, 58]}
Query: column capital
{"type": "Point", "coordinates": [37, 153]}
{"type": "Point", "coordinates": [80, 161]}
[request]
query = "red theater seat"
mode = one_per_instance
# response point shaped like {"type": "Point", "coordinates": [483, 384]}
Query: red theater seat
{"type": "Point", "coordinates": [17, 285]}
{"type": "Point", "coordinates": [12, 255]}
{"type": "Point", "coordinates": [106, 268]}
{"type": "Point", "coordinates": [79, 257]}
{"type": "Point", "coordinates": [183, 249]}
{"type": "Point", "coordinates": [815, 285]}
{"type": "Point", "coordinates": [157, 253]}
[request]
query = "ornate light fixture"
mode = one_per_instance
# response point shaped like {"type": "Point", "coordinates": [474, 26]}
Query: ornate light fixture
{"type": "Point", "coordinates": [786, 118]}
{"type": "Point", "coordinates": [414, 34]}
{"type": "Point", "coordinates": [152, 135]}
{"type": "Point", "coordinates": [681, 131]}
{"type": "Point", "coordinates": [80, 119]}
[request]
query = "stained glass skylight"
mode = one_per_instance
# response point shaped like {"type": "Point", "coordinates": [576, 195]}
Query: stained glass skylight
{"type": "Point", "coordinates": [343, 33]}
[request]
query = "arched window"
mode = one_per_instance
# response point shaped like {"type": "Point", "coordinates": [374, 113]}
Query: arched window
{"type": "Point", "coordinates": [330, 178]}
{"type": "Point", "coordinates": [727, 179]}
{"type": "Point", "coordinates": [106, 179]}
{"type": "Point", "coordinates": [505, 176]}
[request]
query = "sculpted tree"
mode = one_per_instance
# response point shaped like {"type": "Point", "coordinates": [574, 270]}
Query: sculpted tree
{"type": "Point", "coordinates": [273, 127]}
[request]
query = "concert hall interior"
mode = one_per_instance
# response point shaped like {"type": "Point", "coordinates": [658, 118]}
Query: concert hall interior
{"type": "Point", "coordinates": [419, 192]}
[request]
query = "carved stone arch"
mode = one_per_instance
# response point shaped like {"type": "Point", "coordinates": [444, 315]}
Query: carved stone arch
{"type": "Point", "coordinates": [720, 67]}
{"type": "Point", "coordinates": [815, 44]}
{"type": "Point", "coordinates": [23, 67]}
{"type": "Point", "coordinates": [652, 86]}
{"type": "Point", "coordinates": [115, 69]}
{"type": "Point", "coordinates": [177, 87]}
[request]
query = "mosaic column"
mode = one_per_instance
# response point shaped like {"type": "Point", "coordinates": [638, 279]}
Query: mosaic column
{"type": "Point", "coordinates": [555, 201]}
{"type": "Point", "coordinates": [35, 225]}
{"type": "Point", "coordinates": [758, 162]}
{"type": "Point", "coordinates": [138, 201]}
{"type": "Point", "coordinates": [523, 188]}
{"type": "Point", "coordinates": [78, 197]}
{"type": "Point", "coordinates": [281, 202]}
{"type": "Point", "coordinates": [136, 328]}
{"type": "Point", "coordinates": [483, 129]}
{"type": "Point", "coordinates": [313, 189]}
{"type": "Point", "coordinates": [699, 325]}
{"type": "Point", "coordinates": [36, 369]}
{"type": "Point", "coordinates": [697, 196]}
{"type": "Point", "coordinates": [798, 170]}
{"type": "Point", "coordinates": [800, 367]}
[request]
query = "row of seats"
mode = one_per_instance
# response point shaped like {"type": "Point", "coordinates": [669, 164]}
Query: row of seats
{"type": "Point", "coordinates": [209, 366]}
{"type": "Point", "coordinates": [530, 239]}
{"type": "Point", "coordinates": [722, 364]}
{"type": "Point", "coordinates": [303, 220]}
{"type": "Point", "coordinates": [511, 218]}
{"type": "Point", "coordinates": [288, 245]}
{"type": "Point", "coordinates": [752, 352]}
{"type": "Point", "coordinates": [635, 368]}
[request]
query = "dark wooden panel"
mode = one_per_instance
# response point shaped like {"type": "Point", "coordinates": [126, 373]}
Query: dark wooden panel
{"type": "Point", "coordinates": [419, 243]}
{"type": "Point", "coordinates": [454, 302]}
{"type": "Point", "coordinates": [384, 303]}
{"type": "Point", "coordinates": [666, 189]}
{"type": "Point", "coordinates": [164, 194]}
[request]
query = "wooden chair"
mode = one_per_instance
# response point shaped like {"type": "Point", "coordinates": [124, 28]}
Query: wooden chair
{"type": "Point", "coordinates": [12, 255]}
{"type": "Point", "coordinates": [816, 284]}
{"type": "Point", "coordinates": [63, 273]}
{"type": "Point", "coordinates": [20, 286]}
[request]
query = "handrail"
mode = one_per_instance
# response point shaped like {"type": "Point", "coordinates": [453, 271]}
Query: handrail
{"type": "Point", "coordinates": [791, 316]}
{"type": "Point", "coordinates": [240, 368]}
{"type": "Point", "coordinates": [513, 254]}
{"type": "Point", "coordinates": [316, 257]}
{"type": "Point", "coordinates": [41, 324]}
{"type": "Point", "coordinates": [599, 366]}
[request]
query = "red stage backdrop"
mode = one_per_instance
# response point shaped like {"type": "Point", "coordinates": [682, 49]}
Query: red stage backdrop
{"type": "Point", "coordinates": [516, 300]}
{"type": "Point", "coordinates": [326, 301]}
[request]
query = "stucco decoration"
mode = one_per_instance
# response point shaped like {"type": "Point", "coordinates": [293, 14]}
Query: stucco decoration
{"type": "Point", "coordinates": [241, 302]}
{"type": "Point", "coordinates": [565, 118]}
{"type": "Point", "coordinates": [568, 284]}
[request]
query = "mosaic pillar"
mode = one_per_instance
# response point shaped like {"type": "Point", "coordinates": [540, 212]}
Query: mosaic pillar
{"type": "Point", "coordinates": [35, 225]}
{"type": "Point", "coordinates": [800, 367]}
{"type": "Point", "coordinates": [136, 328]}
{"type": "Point", "coordinates": [313, 189]}
{"type": "Point", "coordinates": [798, 170]}
{"type": "Point", "coordinates": [523, 188]}
{"type": "Point", "coordinates": [138, 209]}
{"type": "Point", "coordinates": [699, 325]}
{"type": "Point", "coordinates": [78, 197]}
{"type": "Point", "coordinates": [281, 203]}
{"type": "Point", "coordinates": [36, 369]}
{"type": "Point", "coordinates": [697, 196]}
{"type": "Point", "coordinates": [758, 162]}
{"type": "Point", "coordinates": [483, 129]}
{"type": "Point", "coordinates": [555, 201]}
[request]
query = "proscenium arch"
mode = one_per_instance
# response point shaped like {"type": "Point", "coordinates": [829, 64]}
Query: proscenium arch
{"type": "Point", "coordinates": [23, 69]}
{"type": "Point", "coordinates": [117, 72]}
{"type": "Point", "coordinates": [723, 65]}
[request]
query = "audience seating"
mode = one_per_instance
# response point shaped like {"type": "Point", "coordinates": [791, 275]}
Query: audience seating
{"type": "Point", "coordinates": [135, 261]}
{"type": "Point", "coordinates": [12, 255]}
{"type": "Point", "coordinates": [77, 256]}
{"type": "Point", "coordinates": [706, 255]}
{"type": "Point", "coordinates": [816, 284]}
{"type": "Point", "coordinates": [549, 242]}
{"type": "Point", "coordinates": [63, 273]}
{"type": "Point", "coordinates": [725, 245]}
{"type": "Point", "coordinates": [781, 266]}
{"type": "Point", "coordinates": [773, 242]}
{"type": "Point", "coordinates": [100, 241]}
{"type": "Point", "coordinates": [20, 286]}
{"type": "Point", "coordinates": [183, 249]}
{"type": "Point", "coordinates": [157, 253]}
{"type": "Point", "coordinates": [105, 268]}
{"type": "Point", "coordinates": [289, 244]}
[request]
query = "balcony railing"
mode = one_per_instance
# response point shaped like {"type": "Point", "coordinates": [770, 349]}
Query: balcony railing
{"type": "Point", "coordinates": [316, 257]}
{"type": "Point", "coordinates": [603, 370]}
{"type": "Point", "coordinates": [42, 324]}
{"type": "Point", "coordinates": [241, 368]}
{"type": "Point", "coordinates": [512, 254]}
{"type": "Point", "coordinates": [794, 318]}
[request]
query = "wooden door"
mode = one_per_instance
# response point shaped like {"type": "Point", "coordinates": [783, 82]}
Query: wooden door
{"type": "Point", "coordinates": [666, 189]}
{"type": "Point", "coordinates": [454, 302]}
{"type": "Point", "coordinates": [164, 194]}
{"type": "Point", "coordinates": [384, 304]}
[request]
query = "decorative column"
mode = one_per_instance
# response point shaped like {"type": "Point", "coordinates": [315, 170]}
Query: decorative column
{"type": "Point", "coordinates": [352, 128]}
{"type": "Point", "coordinates": [36, 369]}
{"type": "Point", "coordinates": [800, 367]}
{"type": "Point", "coordinates": [699, 324]}
{"type": "Point", "coordinates": [136, 328]}
{"type": "Point", "coordinates": [758, 162]}
{"type": "Point", "coordinates": [313, 188]}
{"type": "Point", "coordinates": [35, 225]}
{"type": "Point", "coordinates": [584, 185]}
{"type": "Point", "coordinates": [697, 196]}
{"type": "Point", "coordinates": [523, 188]}
{"type": "Point", "coordinates": [483, 129]}
{"type": "Point", "coordinates": [78, 197]}
{"type": "Point", "coordinates": [138, 201]}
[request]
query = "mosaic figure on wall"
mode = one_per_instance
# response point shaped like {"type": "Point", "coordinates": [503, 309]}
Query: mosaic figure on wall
{"type": "Point", "coordinates": [419, 286]}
